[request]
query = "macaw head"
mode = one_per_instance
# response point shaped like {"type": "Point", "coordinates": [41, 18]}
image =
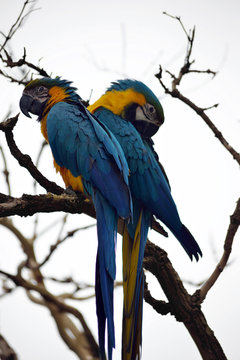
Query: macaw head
{"type": "Point", "coordinates": [40, 95]}
{"type": "Point", "coordinates": [135, 102]}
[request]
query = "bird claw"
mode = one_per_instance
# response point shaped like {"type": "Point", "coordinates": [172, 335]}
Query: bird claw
{"type": "Point", "coordinates": [69, 191]}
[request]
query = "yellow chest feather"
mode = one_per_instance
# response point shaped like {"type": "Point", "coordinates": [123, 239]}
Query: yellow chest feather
{"type": "Point", "coordinates": [57, 95]}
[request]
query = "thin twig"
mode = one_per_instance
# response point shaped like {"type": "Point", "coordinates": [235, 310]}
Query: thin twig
{"type": "Point", "coordinates": [19, 22]}
{"type": "Point", "coordinates": [201, 112]}
{"type": "Point", "coordinates": [5, 170]}
{"type": "Point", "coordinates": [8, 223]}
{"type": "Point", "coordinates": [73, 296]}
{"type": "Point", "coordinates": [25, 160]}
{"type": "Point", "coordinates": [44, 143]}
{"type": "Point", "coordinates": [6, 288]}
{"type": "Point", "coordinates": [19, 63]}
{"type": "Point", "coordinates": [232, 229]}
{"type": "Point", "coordinates": [208, 71]}
{"type": "Point", "coordinates": [179, 20]}
{"type": "Point", "coordinates": [63, 223]}
{"type": "Point", "coordinates": [54, 247]}
{"type": "Point", "coordinates": [22, 81]}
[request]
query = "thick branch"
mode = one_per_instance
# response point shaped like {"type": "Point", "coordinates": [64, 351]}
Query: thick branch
{"type": "Point", "coordinates": [160, 306]}
{"type": "Point", "coordinates": [6, 351]}
{"type": "Point", "coordinates": [29, 205]}
{"type": "Point", "coordinates": [184, 307]}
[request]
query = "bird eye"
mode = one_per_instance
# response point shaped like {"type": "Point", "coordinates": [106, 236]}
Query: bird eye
{"type": "Point", "coordinates": [40, 89]}
{"type": "Point", "coordinates": [151, 109]}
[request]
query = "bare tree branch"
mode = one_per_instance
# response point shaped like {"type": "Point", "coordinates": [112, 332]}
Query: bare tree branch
{"type": "Point", "coordinates": [184, 307]}
{"type": "Point", "coordinates": [161, 307]}
{"type": "Point", "coordinates": [174, 92]}
{"type": "Point", "coordinates": [25, 160]}
{"type": "Point", "coordinates": [28, 205]}
{"type": "Point", "coordinates": [80, 340]}
{"type": "Point", "coordinates": [44, 143]}
{"type": "Point", "coordinates": [232, 229]}
{"type": "Point", "coordinates": [201, 112]}
{"type": "Point", "coordinates": [6, 351]}
{"type": "Point", "coordinates": [54, 247]}
{"type": "Point", "coordinates": [6, 222]}
{"type": "Point", "coordinates": [19, 21]}
{"type": "Point", "coordinates": [185, 69]}
{"type": "Point", "coordinates": [5, 171]}
{"type": "Point", "coordinates": [21, 62]}
{"type": "Point", "coordinates": [58, 308]}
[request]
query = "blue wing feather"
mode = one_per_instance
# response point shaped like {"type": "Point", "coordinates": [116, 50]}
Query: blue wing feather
{"type": "Point", "coordinates": [148, 182]}
{"type": "Point", "coordinates": [87, 148]}
{"type": "Point", "coordinates": [93, 153]}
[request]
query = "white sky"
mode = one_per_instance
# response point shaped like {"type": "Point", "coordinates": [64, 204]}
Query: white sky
{"type": "Point", "coordinates": [93, 43]}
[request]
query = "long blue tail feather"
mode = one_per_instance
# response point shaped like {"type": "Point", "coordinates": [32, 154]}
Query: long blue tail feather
{"type": "Point", "coordinates": [100, 312]}
{"type": "Point", "coordinates": [189, 243]}
{"type": "Point", "coordinates": [105, 271]}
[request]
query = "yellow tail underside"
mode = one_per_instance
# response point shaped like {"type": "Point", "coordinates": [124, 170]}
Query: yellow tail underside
{"type": "Point", "coordinates": [130, 264]}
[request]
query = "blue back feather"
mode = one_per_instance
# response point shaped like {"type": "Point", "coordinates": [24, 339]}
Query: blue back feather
{"type": "Point", "coordinates": [91, 152]}
{"type": "Point", "coordinates": [148, 183]}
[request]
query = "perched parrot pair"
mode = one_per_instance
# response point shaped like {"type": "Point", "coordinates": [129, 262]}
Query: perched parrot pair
{"type": "Point", "coordinates": [107, 153]}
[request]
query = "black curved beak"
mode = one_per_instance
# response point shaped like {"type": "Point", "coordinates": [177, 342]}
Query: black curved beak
{"type": "Point", "coordinates": [146, 129]}
{"type": "Point", "coordinates": [146, 124]}
{"type": "Point", "coordinates": [29, 105]}
{"type": "Point", "coordinates": [26, 104]}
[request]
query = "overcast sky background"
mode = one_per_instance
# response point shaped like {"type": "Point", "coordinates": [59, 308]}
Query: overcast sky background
{"type": "Point", "coordinates": [93, 43]}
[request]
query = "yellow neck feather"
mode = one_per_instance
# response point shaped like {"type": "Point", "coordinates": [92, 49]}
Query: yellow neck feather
{"type": "Point", "coordinates": [44, 127]}
{"type": "Point", "coordinates": [116, 101]}
{"type": "Point", "coordinates": [57, 94]}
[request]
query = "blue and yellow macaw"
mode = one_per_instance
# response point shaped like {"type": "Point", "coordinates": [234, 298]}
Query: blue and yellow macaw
{"type": "Point", "coordinates": [133, 113]}
{"type": "Point", "coordinates": [90, 160]}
